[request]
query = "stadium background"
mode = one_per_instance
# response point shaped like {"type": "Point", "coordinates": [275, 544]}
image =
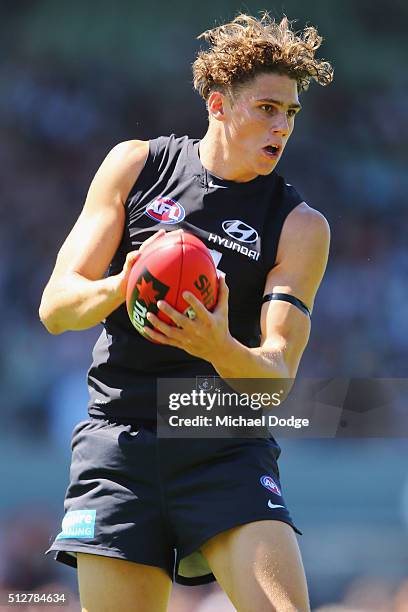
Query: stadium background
{"type": "Point", "coordinates": [75, 79]}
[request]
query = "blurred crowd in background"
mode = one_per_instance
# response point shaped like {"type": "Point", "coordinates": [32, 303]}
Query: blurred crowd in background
{"type": "Point", "coordinates": [76, 79]}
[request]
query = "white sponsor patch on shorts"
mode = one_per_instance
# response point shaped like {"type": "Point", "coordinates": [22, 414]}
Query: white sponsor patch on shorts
{"type": "Point", "coordinates": [78, 524]}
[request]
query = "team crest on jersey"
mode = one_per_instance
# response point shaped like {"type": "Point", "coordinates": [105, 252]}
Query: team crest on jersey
{"type": "Point", "coordinates": [270, 484]}
{"type": "Point", "coordinates": [165, 210]}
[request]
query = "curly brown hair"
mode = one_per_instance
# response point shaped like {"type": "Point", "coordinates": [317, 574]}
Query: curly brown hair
{"type": "Point", "coordinates": [248, 46]}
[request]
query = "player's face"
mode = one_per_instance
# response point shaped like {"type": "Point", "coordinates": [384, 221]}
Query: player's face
{"type": "Point", "coordinates": [258, 123]}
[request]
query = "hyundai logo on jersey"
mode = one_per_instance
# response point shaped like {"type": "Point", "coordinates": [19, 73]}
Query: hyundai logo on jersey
{"type": "Point", "coordinates": [240, 231]}
{"type": "Point", "coordinates": [270, 484]}
{"type": "Point", "coordinates": [165, 210]}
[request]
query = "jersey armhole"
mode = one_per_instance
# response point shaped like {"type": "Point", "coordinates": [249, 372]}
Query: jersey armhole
{"type": "Point", "coordinates": [150, 166]}
{"type": "Point", "coordinates": [289, 199]}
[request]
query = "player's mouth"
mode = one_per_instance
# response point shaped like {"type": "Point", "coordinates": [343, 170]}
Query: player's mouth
{"type": "Point", "coordinates": [272, 151]}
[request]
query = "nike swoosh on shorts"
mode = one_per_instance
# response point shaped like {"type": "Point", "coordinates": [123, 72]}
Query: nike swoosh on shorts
{"type": "Point", "coordinates": [271, 505]}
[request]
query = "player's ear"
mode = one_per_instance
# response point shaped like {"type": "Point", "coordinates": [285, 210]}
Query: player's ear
{"type": "Point", "coordinates": [215, 105]}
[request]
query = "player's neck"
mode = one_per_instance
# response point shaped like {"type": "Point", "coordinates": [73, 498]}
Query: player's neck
{"type": "Point", "coordinates": [216, 157]}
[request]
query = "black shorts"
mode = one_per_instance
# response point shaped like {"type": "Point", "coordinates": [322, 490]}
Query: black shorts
{"type": "Point", "coordinates": [156, 501]}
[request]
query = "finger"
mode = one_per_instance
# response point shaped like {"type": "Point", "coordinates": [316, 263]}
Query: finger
{"type": "Point", "coordinates": [157, 336]}
{"type": "Point", "coordinates": [131, 258]}
{"type": "Point", "coordinates": [179, 319]}
{"type": "Point", "coordinates": [151, 239]}
{"type": "Point", "coordinates": [168, 330]}
{"type": "Point", "coordinates": [198, 307]}
{"type": "Point", "coordinates": [223, 293]}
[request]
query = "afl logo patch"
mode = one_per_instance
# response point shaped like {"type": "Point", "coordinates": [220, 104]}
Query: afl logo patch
{"type": "Point", "coordinates": [165, 210]}
{"type": "Point", "coordinates": [240, 231]}
{"type": "Point", "coordinates": [270, 484]}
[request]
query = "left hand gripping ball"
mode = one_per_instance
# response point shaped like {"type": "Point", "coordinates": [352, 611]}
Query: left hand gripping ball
{"type": "Point", "coordinates": [177, 262]}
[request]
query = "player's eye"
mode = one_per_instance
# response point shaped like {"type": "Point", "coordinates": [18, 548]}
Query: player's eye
{"type": "Point", "coordinates": [292, 112]}
{"type": "Point", "coordinates": [267, 107]}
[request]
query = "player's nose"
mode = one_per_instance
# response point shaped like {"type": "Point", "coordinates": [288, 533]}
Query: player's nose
{"type": "Point", "coordinates": [280, 124]}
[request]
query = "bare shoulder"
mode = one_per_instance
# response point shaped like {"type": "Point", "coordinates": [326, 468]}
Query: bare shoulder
{"type": "Point", "coordinates": [305, 229]}
{"type": "Point", "coordinates": [129, 151]}
{"type": "Point", "coordinates": [127, 157]}
{"type": "Point", "coordinates": [122, 167]}
{"type": "Point", "coordinates": [305, 219]}
{"type": "Point", "coordinates": [302, 255]}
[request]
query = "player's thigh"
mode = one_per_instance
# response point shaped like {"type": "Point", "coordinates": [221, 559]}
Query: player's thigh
{"type": "Point", "coordinates": [259, 567]}
{"type": "Point", "coordinates": [108, 585]}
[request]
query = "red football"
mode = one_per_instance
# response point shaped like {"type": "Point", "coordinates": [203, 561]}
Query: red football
{"type": "Point", "coordinates": [172, 264]}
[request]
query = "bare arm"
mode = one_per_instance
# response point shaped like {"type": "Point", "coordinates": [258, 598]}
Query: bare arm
{"type": "Point", "coordinates": [301, 262]}
{"type": "Point", "coordinates": [77, 296]}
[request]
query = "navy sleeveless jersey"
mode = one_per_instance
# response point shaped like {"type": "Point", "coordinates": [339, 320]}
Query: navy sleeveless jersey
{"type": "Point", "coordinates": [239, 222]}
